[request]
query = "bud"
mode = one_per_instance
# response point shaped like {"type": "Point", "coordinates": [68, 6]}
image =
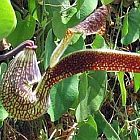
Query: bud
{"type": "Point", "coordinates": [95, 23]}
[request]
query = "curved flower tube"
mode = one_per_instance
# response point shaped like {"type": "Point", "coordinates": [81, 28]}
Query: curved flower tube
{"type": "Point", "coordinates": [24, 104]}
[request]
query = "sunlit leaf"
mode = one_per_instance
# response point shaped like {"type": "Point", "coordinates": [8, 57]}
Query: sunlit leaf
{"type": "Point", "coordinates": [59, 28]}
{"type": "Point", "coordinates": [99, 42]}
{"type": "Point", "coordinates": [24, 30]}
{"type": "Point", "coordinates": [63, 96]}
{"type": "Point", "coordinates": [92, 94]}
{"type": "Point", "coordinates": [7, 18]}
{"type": "Point", "coordinates": [133, 27]}
{"type": "Point", "coordinates": [105, 127]}
{"type": "Point", "coordinates": [122, 86]}
{"type": "Point", "coordinates": [3, 67]}
{"type": "Point", "coordinates": [87, 130]}
{"type": "Point", "coordinates": [3, 113]}
{"type": "Point", "coordinates": [136, 81]}
{"type": "Point", "coordinates": [49, 47]}
{"type": "Point", "coordinates": [33, 8]}
{"type": "Point", "coordinates": [87, 7]}
{"type": "Point", "coordinates": [125, 26]}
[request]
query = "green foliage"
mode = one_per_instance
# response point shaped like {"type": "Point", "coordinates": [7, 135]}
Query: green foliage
{"type": "Point", "coordinates": [84, 8]}
{"type": "Point", "coordinates": [83, 96]}
{"type": "Point", "coordinates": [48, 50]}
{"type": "Point", "coordinates": [59, 28]}
{"type": "Point", "coordinates": [91, 93]}
{"type": "Point", "coordinates": [63, 96]}
{"type": "Point", "coordinates": [7, 19]}
{"type": "Point", "coordinates": [122, 86]}
{"type": "Point", "coordinates": [24, 30]}
{"type": "Point", "coordinates": [105, 127]}
{"type": "Point", "coordinates": [3, 114]}
{"type": "Point", "coordinates": [136, 81]}
{"type": "Point", "coordinates": [87, 130]}
{"type": "Point", "coordinates": [131, 26]}
{"type": "Point", "coordinates": [99, 42]}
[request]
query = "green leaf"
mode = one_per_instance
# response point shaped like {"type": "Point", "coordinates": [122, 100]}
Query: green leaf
{"type": "Point", "coordinates": [87, 130]}
{"type": "Point", "coordinates": [59, 28]}
{"type": "Point", "coordinates": [83, 111]}
{"type": "Point", "coordinates": [7, 18]}
{"type": "Point", "coordinates": [3, 68]}
{"type": "Point", "coordinates": [122, 86]}
{"type": "Point", "coordinates": [1, 124]}
{"type": "Point", "coordinates": [115, 124]}
{"type": "Point", "coordinates": [99, 42]}
{"type": "Point", "coordinates": [3, 113]}
{"type": "Point", "coordinates": [136, 81]}
{"type": "Point", "coordinates": [105, 2]}
{"type": "Point", "coordinates": [24, 30]}
{"type": "Point", "coordinates": [77, 45]}
{"type": "Point", "coordinates": [49, 47]}
{"type": "Point", "coordinates": [105, 127]}
{"type": "Point", "coordinates": [57, 5]}
{"type": "Point", "coordinates": [134, 134]}
{"type": "Point", "coordinates": [33, 8]}
{"type": "Point", "coordinates": [125, 26]}
{"type": "Point", "coordinates": [68, 15]}
{"type": "Point", "coordinates": [63, 96]}
{"type": "Point", "coordinates": [133, 27]}
{"type": "Point", "coordinates": [92, 94]}
{"type": "Point", "coordinates": [87, 7]}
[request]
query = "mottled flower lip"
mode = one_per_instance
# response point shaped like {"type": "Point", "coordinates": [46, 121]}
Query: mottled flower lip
{"type": "Point", "coordinates": [30, 44]}
{"type": "Point", "coordinates": [31, 47]}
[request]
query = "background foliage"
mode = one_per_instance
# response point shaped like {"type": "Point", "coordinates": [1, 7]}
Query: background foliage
{"type": "Point", "coordinates": [90, 105]}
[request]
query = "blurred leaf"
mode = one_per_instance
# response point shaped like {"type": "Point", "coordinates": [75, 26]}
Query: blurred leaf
{"type": "Point", "coordinates": [3, 68]}
{"type": "Point", "coordinates": [7, 18]}
{"type": "Point", "coordinates": [63, 96]}
{"type": "Point", "coordinates": [79, 3]}
{"type": "Point", "coordinates": [1, 124]}
{"type": "Point", "coordinates": [115, 125]}
{"type": "Point", "coordinates": [59, 28]}
{"type": "Point", "coordinates": [57, 5]}
{"type": "Point", "coordinates": [3, 113]}
{"type": "Point", "coordinates": [33, 8]}
{"type": "Point", "coordinates": [133, 27]}
{"type": "Point", "coordinates": [125, 26]}
{"type": "Point", "coordinates": [136, 81]}
{"type": "Point", "coordinates": [49, 47]}
{"type": "Point", "coordinates": [87, 130]}
{"type": "Point", "coordinates": [83, 111]}
{"type": "Point", "coordinates": [134, 134]}
{"type": "Point", "coordinates": [99, 42]}
{"type": "Point", "coordinates": [127, 3]}
{"type": "Point", "coordinates": [68, 15]}
{"type": "Point", "coordinates": [105, 2]}
{"type": "Point", "coordinates": [24, 30]}
{"type": "Point", "coordinates": [92, 90]}
{"type": "Point", "coordinates": [122, 86]}
{"type": "Point", "coordinates": [105, 127]}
